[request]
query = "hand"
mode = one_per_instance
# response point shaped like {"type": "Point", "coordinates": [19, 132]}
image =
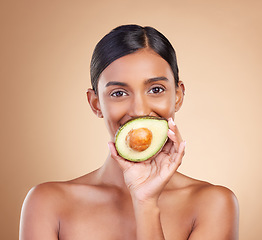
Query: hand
{"type": "Point", "coordinates": [147, 179]}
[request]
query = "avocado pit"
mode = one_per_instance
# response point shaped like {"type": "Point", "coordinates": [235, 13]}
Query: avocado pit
{"type": "Point", "coordinates": [139, 139]}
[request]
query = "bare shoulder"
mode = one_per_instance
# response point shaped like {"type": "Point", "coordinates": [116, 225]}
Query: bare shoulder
{"type": "Point", "coordinates": [40, 212]}
{"type": "Point", "coordinates": [215, 210]}
{"type": "Point", "coordinates": [47, 204]}
{"type": "Point", "coordinates": [215, 194]}
{"type": "Point", "coordinates": [202, 190]}
{"type": "Point", "coordinates": [54, 197]}
{"type": "Point", "coordinates": [45, 193]}
{"type": "Point", "coordinates": [207, 196]}
{"type": "Point", "coordinates": [56, 193]}
{"type": "Point", "coordinates": [47, 198]}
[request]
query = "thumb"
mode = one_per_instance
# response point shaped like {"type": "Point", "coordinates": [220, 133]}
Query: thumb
{"type": "Point", "coordinates": [124, 164]}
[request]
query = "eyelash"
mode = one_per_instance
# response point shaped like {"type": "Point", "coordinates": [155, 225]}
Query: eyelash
{"type": "Point", "coordinates": [157, 87]}
{"type": "Point", "coordinates": [114, 94]}
{"type": "Point", "coordinates": [123, 93]}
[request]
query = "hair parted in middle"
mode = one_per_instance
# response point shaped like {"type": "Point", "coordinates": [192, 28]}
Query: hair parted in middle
{"type": "Point", "coordinates": [127, 39]}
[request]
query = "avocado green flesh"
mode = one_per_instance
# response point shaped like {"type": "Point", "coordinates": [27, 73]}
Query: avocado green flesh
{"type": "Point", "coordinates": [158, 127]}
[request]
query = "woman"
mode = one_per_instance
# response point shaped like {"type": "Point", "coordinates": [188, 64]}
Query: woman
{"type": "Point", "coordinates": [134, 73]}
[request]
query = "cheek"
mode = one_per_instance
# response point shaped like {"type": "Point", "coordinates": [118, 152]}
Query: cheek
{"type": "Point", "coordinates": [113, 114]}
{"type": "Point", "coordinates": [165, 107]}
{"type": "Point", "coordinates": [114, 111]}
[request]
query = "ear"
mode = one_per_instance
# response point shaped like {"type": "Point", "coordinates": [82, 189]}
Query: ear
{"type": "Point", "coordinates": [180, 92]}
{"type": "Point", "coordinates": [94, 102]}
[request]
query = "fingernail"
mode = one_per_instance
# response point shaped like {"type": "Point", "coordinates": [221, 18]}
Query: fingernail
{"type": "Point", "coordinates": [171, 132]}
{"type": "Point", "coordinates": [173, 121]}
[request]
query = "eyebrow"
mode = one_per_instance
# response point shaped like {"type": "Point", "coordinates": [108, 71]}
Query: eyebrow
{"type": "Point", "coordinates": [155, 79]}
{"type": "Point", "coordinates": [115, 83]}
{"type": "Point", "coordinates": [150, 80]}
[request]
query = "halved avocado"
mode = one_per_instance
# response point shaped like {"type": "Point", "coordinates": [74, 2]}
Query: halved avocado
{"type": "Point", "coordinates": [141, 138]}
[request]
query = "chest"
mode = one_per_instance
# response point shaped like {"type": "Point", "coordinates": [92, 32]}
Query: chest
{"type": "Point", "coordinates": [92, 221]}
{"type": "Point", "coordinates": [116, 220]}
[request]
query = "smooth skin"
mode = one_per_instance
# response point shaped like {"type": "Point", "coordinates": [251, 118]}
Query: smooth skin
{"type": "Point", "coordinates": [124, 200]}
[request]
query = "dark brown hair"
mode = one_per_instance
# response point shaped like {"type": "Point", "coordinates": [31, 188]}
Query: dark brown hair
{"type": "Point", "coordinates": [125, 40]}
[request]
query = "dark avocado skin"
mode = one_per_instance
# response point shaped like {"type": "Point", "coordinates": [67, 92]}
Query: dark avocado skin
{"type": "Point", "coordinates": [135, 118]}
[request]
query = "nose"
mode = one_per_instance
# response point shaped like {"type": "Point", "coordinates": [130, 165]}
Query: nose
{"type": "Point", "coordinates": [139, 106]}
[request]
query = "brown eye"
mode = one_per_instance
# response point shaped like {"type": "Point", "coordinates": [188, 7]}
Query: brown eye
{"type": "Point", "coordinates": [156, 90]}
{"type": "Point", "coordinates": [118, 94]}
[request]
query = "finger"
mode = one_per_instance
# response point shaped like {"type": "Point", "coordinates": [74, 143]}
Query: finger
{"type": "Point", "coordinates": [178, 135]}
{"type": "Point", "coordinates": [172, 150]}
{"type": "Point", "coordinates": [171, 124]}
{"type": "Point", "coordinates": [167, 147]}
{"type": "Point", "coordinates": [174, 139]}
{"type": "Point", "coordinates": [173, 127]}
{"type": "Point", "coordinates": [112, 150]}
{"type": "Point", "coordinates": [124, 164]}
{"type": "Point", "coordinates": [176, 158]}
{"type": "Point", "coordinates": [179, 138]}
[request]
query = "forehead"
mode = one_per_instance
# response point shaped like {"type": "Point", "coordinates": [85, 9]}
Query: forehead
{"type": "Point", "coordinates": [138, 66]}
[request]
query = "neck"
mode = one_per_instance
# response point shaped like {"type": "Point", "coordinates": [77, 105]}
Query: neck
{"type": "Point", "coordinates": [111, 174]}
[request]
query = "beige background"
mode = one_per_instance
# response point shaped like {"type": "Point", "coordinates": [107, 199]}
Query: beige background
{"type": "Point", "coordinates": [49, 133]}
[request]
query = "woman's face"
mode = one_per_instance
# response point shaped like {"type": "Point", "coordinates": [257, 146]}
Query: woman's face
{"type": "Point", "coordinates": [138, 84]}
